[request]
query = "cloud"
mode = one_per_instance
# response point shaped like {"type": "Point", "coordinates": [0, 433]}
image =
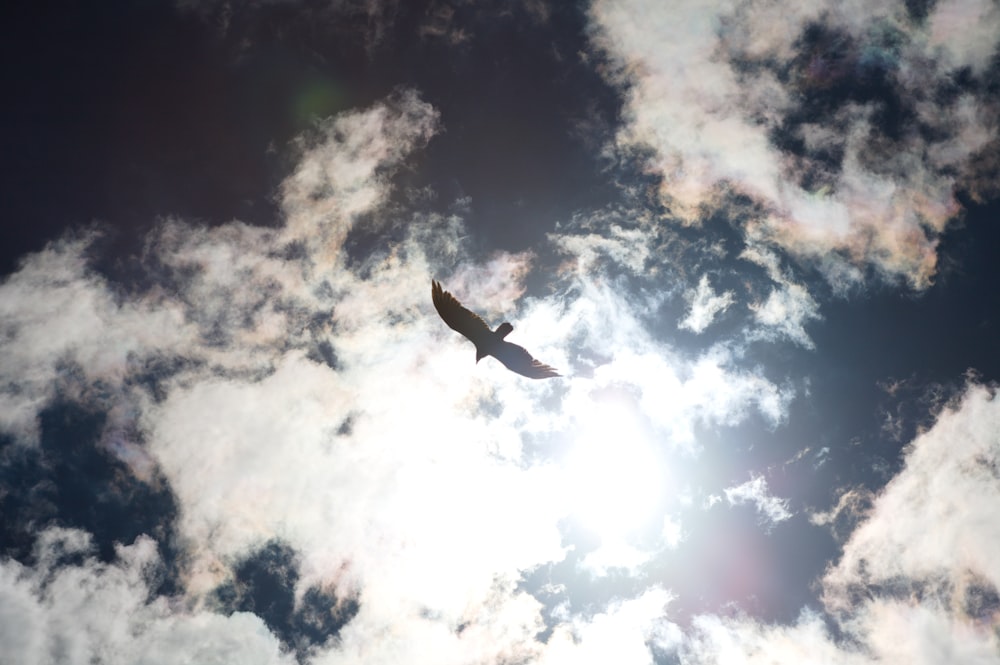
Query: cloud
{"type": "Point", "coordinates": [93, 611]}
{"type": "Point", "coordinates": [310, 400]}
{"type": "Point", "coordinates": [623, 633]}
{"type": "Point", "coordinates": [818, 113]}
{"type": "Point", "coordinates": [755, 491]}
{"type": "Point", "coordinates": [289, 387]}
{"type": "Point", "coordinates": [344, 167]}
{"type": "Point", "coordinates": [916, 582]}
{"type": "Point", "coordinates": [704, 304]}
{"type": "Point", "coordinates": [787, 308]}
{"type": "Point", "coordinates": [932, 522]}
{"type": "Point", "coordinates": [65, 330]}
{"type": "Point", "coordinates": [288, 391]}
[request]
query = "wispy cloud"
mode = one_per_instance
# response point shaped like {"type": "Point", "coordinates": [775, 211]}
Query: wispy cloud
{"type": "Point", "coordinates": [771, 509]}
{"type": "Point", "coordinates": [705, 304]}
{"type": "Point", "coordinates": [788, 307]}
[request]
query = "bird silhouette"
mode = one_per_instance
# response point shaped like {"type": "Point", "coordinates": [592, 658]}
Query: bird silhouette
{"type": "Point", "coordinates": [488, 342]}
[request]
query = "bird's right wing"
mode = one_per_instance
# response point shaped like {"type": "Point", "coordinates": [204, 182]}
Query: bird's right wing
{"type": "Point", "coordinates": [517, 359]}
{"type": "Point", "coordinates": [458, 317]}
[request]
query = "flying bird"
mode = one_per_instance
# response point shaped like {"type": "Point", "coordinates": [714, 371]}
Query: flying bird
{"type": "Point", "coordinates": [488, 342]}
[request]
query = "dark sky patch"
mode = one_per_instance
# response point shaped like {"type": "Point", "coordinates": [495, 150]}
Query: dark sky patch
{"type": "Point", "coordinates": [72, 480]}
{"type": "Point", "coordinates": [264, 584]}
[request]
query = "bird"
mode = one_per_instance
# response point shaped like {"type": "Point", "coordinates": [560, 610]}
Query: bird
{"type": "Point", "coordinates": [488, 342]}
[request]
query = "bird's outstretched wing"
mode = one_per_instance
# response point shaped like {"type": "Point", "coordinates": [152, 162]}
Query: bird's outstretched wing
{"type": "Point", "coordinates": [458, 317]}
{"type": "Point", "coordinates": [517, 359]}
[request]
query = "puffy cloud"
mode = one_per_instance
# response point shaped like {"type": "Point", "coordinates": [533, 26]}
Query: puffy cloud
{"type": "Point", "coordinates": [965, 31]}
{"type": "Point", "coordinates": [60, 320]}
{"type": "Point", "coordinates": [716, 639]}
{"type": "Point", "coordinates": [881, 631]}
{"type": "Point", "coordinates": [90, 611]}
{"type": "Point", "coordinates": [917, 581]}
{"type": "Point", "coordinates": [624, 633]}
{"type": "Point", "coordinates": [318, 401]}
{"type": "Point", "coordinates": [817, 112]}
{"type": "Point", "coordinates": [933, 521]}
{"type": "Point", "coordinates": [344, 167]}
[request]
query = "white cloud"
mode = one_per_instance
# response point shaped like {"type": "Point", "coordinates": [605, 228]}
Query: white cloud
{"type": "Point", "coordinates": [101, 612]}
{"type": "Point", "coordinates": [704, 305]}
{"type": "Point", "coordinates": [626, 246]}
{"type": "Point", "coordinates": [57, 316]}
{"type": "Point", "coordinates": [934, 520]}
{"type": "Point", "coordinates": [743, 641]}
{"type": "Point", "coordinates": [343, 170]}
{"type": "Point", "coordinates": [755, 491]}
{"type": "Point", "coordinates": [623, 634]}
{"type": "Point", "coordinates": [966, 31]}
{"type": "Point", "coordinates": [899, 589]}
{"type": "Point", "coordinates": [709, 120]}
{"type": "Point", "coordinates": [882, 631]}
{"type": "Point", "coordinates": [787, 308]}
{"type": "Point", "coordinates": [384, 473]}
{"type": "Point", "coordinates": [398, 475]}
{"type": "Point", "coordinates": [673, 392]}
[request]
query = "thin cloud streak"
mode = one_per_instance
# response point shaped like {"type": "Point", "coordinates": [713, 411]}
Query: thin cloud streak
{"type": "Point", "coordinates": [771, 509]}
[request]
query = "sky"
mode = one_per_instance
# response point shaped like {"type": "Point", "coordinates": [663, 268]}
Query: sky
{"type": "Point", "coordinates": [756, 237]}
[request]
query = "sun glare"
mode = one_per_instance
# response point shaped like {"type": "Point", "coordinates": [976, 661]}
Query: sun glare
{"type": "Point", "coordinates": [614, 473]}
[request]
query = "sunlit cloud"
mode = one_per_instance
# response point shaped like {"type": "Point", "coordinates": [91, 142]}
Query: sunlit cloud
{"type": "Point", "coordinates": [915, 583]}
{"type": "Point", "coordinates": [788, 307]}
{"type": "Point", "coordinates": [283, 404]}
{"type": "Point", "coordinates": [755, 491]}
{"type": "Point", "coordinates": [344, 167]}
{"type": "Point", "coordinates": [623, 633]}
{"type": "Point", "coordinates": [716, 92]}
{"type": "Point", "coordinates": [284, 384]}
{"type": "Point", "coordinates": [64, 329]}
{"type": "Point", "coordinates": [92, 611]}
{"type": "Point", "coordinates": [939, 500]}
{"type": "Point", "coordinates": [705, 304]}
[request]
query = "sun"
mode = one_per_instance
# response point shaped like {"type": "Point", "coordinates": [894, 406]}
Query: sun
{"type": "Point", "coordinates": [614, 473]}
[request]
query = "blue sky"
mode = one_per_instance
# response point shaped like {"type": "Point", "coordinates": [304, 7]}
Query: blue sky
{"type": "Point", "coordinates": [757, 240]}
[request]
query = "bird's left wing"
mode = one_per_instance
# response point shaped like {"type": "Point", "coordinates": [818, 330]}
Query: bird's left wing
{"type": "Point", "coordinates": [517, 359]}
{"type": "Point", "coordinates": [458, 317]}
